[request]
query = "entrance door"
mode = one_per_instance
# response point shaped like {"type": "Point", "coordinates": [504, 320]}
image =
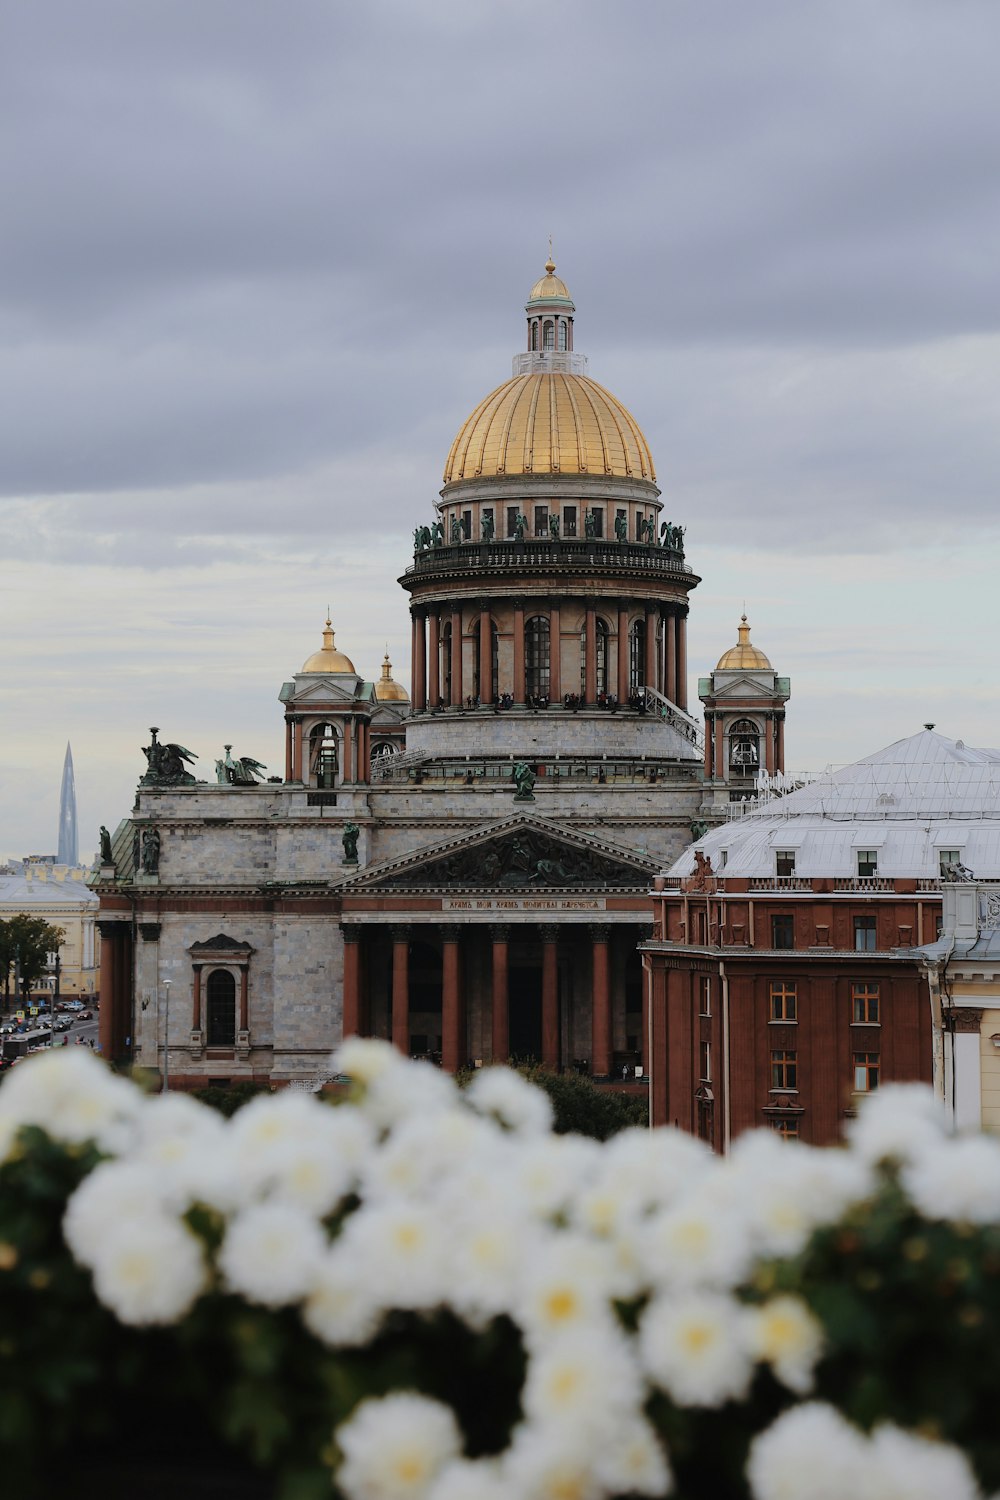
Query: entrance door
{"type": "Point", "coordinates": [525, 1014]}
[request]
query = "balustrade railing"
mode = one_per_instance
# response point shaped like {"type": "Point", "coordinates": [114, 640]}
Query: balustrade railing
{"type": "Point", "coordinates": [545, 552]}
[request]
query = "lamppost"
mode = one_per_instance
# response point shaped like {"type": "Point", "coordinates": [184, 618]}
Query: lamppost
{"type": "Point", "coordinates": [166, 1038]}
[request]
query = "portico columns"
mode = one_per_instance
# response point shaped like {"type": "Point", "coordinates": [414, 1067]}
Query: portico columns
{"type": "Point", "coordinates": [352, 981]}
{"type": "Point", "coordinates": [518, 650]}
{"type": "Point", "coordinates": [651, 673]}
{"type": "Point", "coordinates": [601, 1017]}
{"type": "Point", "coordinates": [670, 655]}
{"type": "Point", "coordinates": [456, 658]}
{"type": "Point", "coordinates": [401, 989]}
{"type": "Point", "coordinates": [622, 652]}
{"type": "Point", "coordinates": [451, 1018]}
{"type": "Point", "coordinates": [501, 995]}
{"type": "Point", "coordinates": [434, 660]}
{"type": "Point", "coordinates": [485, 654]}
{"type": "Point", "coordinates": [590, 654]}
{"type": "Point", "coordinates": [419, 654]}
{"type": "Point", "coordinates": [555, 654]}
{"type": "Point", "coordinates": [681, 657]}
{"type": "Point", "coordinates": [550, 997]}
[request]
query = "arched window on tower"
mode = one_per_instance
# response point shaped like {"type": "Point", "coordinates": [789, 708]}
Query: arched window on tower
{"type": "Point", "coordinates": [637, 656]}
{"type": "Point", "coordinates": [549, 334]}
{"type": "Point", "coordinates": [534, 337]}
{"type": "Point", "coordinates": [536, 656]}
{"type": "Point", "coordinates": [493, 686]}
{"type": "Point", "coordinates": [220, 1007]}
{"type": "Point", "coordinates": [562, 333]}
{"type": "Point", "coordinates": [601, 647]}
{"type": "Point", "coordinates": [324, 756]}
{"type": "Point", "coordinates": [744, 747]}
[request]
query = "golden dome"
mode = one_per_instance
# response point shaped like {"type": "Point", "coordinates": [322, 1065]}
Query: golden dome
{"type": "Point", "coordinates": [386, 689]}
{"type": "Point", "coordinates": [743, 654]}
{"type": "Point", "coordinates": [549, 286]}
{"type": "Point", "coordinates": [550, 424]}
{"type": "Point", "coordinates": [328, 659]}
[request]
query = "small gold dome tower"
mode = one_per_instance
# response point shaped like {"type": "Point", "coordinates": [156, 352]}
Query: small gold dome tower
{"type": "Point", "coordinates": [387, 690]}
{"type": "Point", "coordinates": [743, 654]}
{"type": "Point", "coordinates": [328, 658]}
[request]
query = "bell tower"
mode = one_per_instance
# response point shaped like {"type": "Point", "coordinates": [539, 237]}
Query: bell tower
{"type": "Point", "coordinates": [744, 701]}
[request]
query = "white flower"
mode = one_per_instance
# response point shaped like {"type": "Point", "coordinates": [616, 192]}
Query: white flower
{"type": "Point", "coordinates": [654, 1166]}
{"type": "Point", "coordinates": [897, 1123]}
{"type": "Point", "coordinates": [272, 1253]}
{"type": "Point", "coordinates": [516, 1103]}
{"type": "Point", "coordinates": [786, 1335]}
{"type": "Point", "coordinates": [404, 1246]}
{"type": "Point", "coordinates": [809, 1453]}
{"type": "Point", "coordinates": [902, 1466]}
{"type": "Point", "coordinates": [342, 1307]}
{"type": "Point", "coordinates": [585, 1382]}
{"type": "Point", "coordinates": [148, 1270]}
{"type": "Point", "coordinates": [363, 1058]}
{"type": "Point", "coordinates": [957, 1179]}
{"type": "Point", "coordinates": [695, 1347]}
{"type": "Point", "coordinates": [423, 1151]}
{"type": "Point", "coordinates": [394, 1448]}
{"type": "Point", "coordinates": [546, 1464]}
{"type": "Point", "coordinates": [488, 1245]}
{"type": "Point", "coordinates": [74, 1097]}
{"type": "Point", "coordinates": [632, 1461]}
{"type": "Point", "coordinates": [783, 1191]}
{"type": "Point", "coordinates": [115, 1193]}
{"type": "Point", "coordinates": [395, 1088]}
{"type": "Point", "coordinates": [695, 1242]}
{"type": "Point", "coordinates": [565, 1286]}
{"type": "Point", "coordinates": [468, 1479]}
{"type": "Point", "coordinates": [548, 1171]}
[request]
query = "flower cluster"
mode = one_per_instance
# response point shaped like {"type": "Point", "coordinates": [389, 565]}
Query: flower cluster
{"type": "Point", "coordinates": [639, 1274]}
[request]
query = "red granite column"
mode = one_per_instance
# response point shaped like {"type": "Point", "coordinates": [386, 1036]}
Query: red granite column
{"type": "Point", "coordinates": [352, 981]}
{"type": "Point", "coordinates": [501, 996]}
{"type": "Point", "coordinates": [434, 661]}
{"type": "Point", "coordinates": [550, 997]}
{"type": "Point", "coordinates": [670, 655]}
{"type": "Point", "coordinates": [709, 744]}
{"type": "Point", "coordinates": [348, 768]}
{"type": "Point", "coordinates": [109, 959]}
{"type": "Point", "coordinates": [622, 653]}
{"type": "Point", "coordinates": [518, 691]}
{"type": "Point", "coordinates": [682, 656]}
{"type": "Point", "coordinates": [196, 998]}
{"type": "Point", "coordinates": [451, 1041]}
{"type": "Point", "coordinates": [555, 654]}
{"type": "Point", "coordinates": [456, 659]}
{"type": "Point", "coordinates": [769, 744]}
{"type": "Point", "coordinates": [418, 662]}
{"type": "Point", "coordinates": [297, 750]}
{"type": "Point", "coordinates": [590, 654]}
{"type": "Point", "coordinates": [288, 749]}
{"type": "Point", "coordinates": [601, 1015]}
{"type": "Point", "coordinates": [720, 747]}
{"type": "Point", "coordinates": [485, 654]}
{"type": "Point", "coordinates": [401, 989]}
{"type": "Point", "coordinates": [244, 997]}
{"type": "Point", "coordinates": [780, 753]}
{"type": "Point", "coordinates": [651, 672]}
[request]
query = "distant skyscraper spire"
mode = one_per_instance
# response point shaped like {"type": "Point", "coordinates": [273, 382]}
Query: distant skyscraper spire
{"type": "Point", "coordinates": [68, 852]}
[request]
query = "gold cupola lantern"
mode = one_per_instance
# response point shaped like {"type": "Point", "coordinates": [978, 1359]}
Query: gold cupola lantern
{"type": "Point", "coordinates": [328, 658]}
{"type": "Point", "coordinates": [387, 690]}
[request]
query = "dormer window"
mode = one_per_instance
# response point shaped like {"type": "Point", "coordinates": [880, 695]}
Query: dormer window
{"type": "Point", "coordinates": [784, 862]}
{"type": "Point", "coordinates": [867, 863]}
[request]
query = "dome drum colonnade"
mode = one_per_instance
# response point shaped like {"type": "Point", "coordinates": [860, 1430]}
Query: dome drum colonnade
{"type": "Point", "coordinates": [552, 614]}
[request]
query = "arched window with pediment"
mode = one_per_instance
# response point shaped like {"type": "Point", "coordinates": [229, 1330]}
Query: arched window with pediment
{"type": "Point", "coordinates": [536, 656]}
{"type": "Point", "coordinates": [744, 747]}
{"type": "Point", "coordinates": [324, 745]}
{"type": "Point", "coordinates": [220, 1007]}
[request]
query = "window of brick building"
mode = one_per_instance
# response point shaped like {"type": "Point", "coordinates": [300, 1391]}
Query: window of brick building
{"type": "Point", "coordinates": [705, 994]}
{"type": "Point", "coordinates": [865, 1004]}
{"type": "Point", "coordinates": [867, 863]}
{"type": "Point", "coordinates": [787, 1129]}
{"type": "Point", "coordinates": [706, 1062]}
{"type": "Point", "coordinates": [865, 934]}
{"type": "Point", "coordinates": [784, 1002]}
{"type": "Point", "coordinates": [784, 1070]}
{"type": "Point", "coordinates": [866, 1071]}
{"type": "Point", "coordinates": [783, 931]}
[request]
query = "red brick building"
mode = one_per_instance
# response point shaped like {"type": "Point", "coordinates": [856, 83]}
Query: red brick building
{"type": "Point", "coordinates": [783, 981]}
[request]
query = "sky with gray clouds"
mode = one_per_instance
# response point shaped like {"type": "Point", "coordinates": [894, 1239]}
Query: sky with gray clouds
{"type": "Point", "coordinates": [260, 258]}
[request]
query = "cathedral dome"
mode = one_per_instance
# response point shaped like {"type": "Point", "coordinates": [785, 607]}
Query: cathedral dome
{"type": "Point", "coordinates": [387, 690]}
{"type": "Point", "coordinates": [328, 658]}
{"type": "Point", "coordinates": [549, 287]}
{"type": "Point", "coordinates": [550, 424]}
{"type": "Point", "coordinates": [743, 654]}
